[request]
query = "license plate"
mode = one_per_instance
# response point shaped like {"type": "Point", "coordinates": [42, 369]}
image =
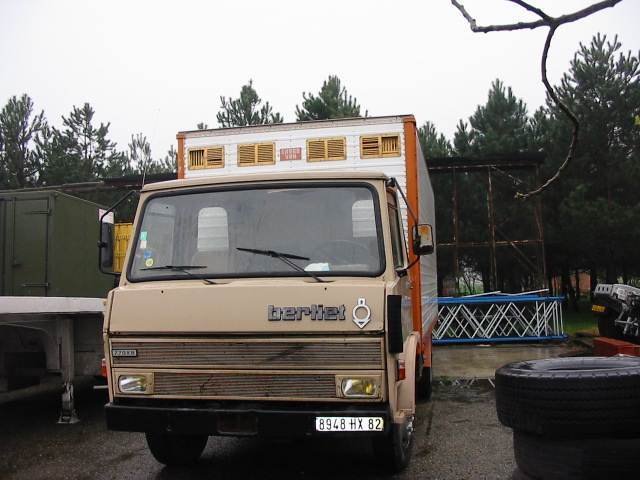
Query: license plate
{"type": "Point", "coordinates": [597, 308]}
{"type": "Point", "coordinates": [349, 424]}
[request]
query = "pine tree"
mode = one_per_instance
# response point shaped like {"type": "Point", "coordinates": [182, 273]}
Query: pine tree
{"type": "Point", "coordinates": [81, 152]}
{"type": "Point", "coordinates": [433, 145]}
{"type": "Point", "coordinates": [141, 161]}
{"type": "Point", "coordinates": [592, 211]}
{"type": "Point", "coordinates": [245, 110]}
{"type": "Point", "coordinates": [500, 126]}
{"type": "Point", "coordinates": [332, 102]}
{"type": "Point", "coordinates": [20, 162]}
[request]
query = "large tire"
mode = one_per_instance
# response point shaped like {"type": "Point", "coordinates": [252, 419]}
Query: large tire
{"type": "Point", "coordinates": [607, 327]}
{"type": "Point", "coordinates": [394, 451]}
{"type": "Point", "coordinates": [587, 397]}
{"type": "Point", "coordinates": [174, 450]}
{"type": "Point", "coordinates": [576, 458]}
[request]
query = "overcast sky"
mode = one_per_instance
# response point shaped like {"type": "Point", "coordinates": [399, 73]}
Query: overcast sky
{"type": "Point", "coordinates": [158, 67]}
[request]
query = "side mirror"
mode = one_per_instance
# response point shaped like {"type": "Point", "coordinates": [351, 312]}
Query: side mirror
{"type": "Point", "coordinates": [106, 245]}
{"type": "Point", "coordinates": [106, 242]}
{"type": "Point", "coordinates": [423, 243]}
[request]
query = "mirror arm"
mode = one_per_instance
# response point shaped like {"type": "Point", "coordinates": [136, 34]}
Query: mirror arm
{"type": "Point", "coordinates": [394, 183]}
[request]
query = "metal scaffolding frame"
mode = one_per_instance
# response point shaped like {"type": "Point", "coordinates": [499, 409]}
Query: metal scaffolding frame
{"type": "Point", "coordinates": [497, 169]}
{"type": "Point", "coordinates": [499, 318]}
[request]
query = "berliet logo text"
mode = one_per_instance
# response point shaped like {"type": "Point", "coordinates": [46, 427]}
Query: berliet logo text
{"type": "Point", "coordinates": [361, 313]}
{"type": "Point", "coordinates": [315, 312]}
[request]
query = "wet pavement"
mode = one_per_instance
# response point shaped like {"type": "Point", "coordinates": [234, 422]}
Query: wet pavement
{"type": "Point", "coordinates": [480, 360]}
{"type": "Point", "coordinates": [458, 435]}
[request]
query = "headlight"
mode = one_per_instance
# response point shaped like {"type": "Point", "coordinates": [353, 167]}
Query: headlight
{"type": "Point", "coordinates": [360, 387]}
{"type": "Point", "coordinates": [133, 383]}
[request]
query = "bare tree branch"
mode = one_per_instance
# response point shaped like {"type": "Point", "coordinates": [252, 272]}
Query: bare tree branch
{"type": "Point", "coordinates": [545, 21]}
{"type": "Point", "coordinates": [552, 23]}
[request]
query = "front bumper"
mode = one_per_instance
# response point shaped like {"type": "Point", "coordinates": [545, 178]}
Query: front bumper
{"type": "Point", "coordinates": [241, 419]}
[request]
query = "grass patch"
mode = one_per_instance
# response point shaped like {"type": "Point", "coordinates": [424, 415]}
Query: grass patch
{"type": "Point", "coordinates": [583, 321]}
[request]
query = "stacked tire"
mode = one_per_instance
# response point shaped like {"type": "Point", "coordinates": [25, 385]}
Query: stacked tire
{"type": "Point", "coordinates": [573, 418]}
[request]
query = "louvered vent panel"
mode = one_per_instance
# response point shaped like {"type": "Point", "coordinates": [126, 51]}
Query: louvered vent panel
{"type": "Point", "coordinates": [214, 157]}
{"type": "Point", "coordinates": [391, 145]}
{"type": "Point", "coordinates": [369, 147]}
{"type": "Point", "coordinates": [266, 153]}
{"type": "Point", "coordinates": [326, 149]}
{"type": "Point", "coordinates": [315, 150]}
{"type": "Point", "coordinates": [196, 159]}
{"type": "Point", "coordinates": [380, 146]}
{"type": "Point", "coordinates": [251, 154]}
{"type": "Point", "coordinates": [246, 155]}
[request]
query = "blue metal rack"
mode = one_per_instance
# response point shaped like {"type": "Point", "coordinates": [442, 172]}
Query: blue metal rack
{"type": "Point", "coordinates": [499, 318]}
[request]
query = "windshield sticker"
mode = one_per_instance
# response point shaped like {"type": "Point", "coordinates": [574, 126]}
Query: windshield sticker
{"type": "Point", "coordinates": [143, 240]}
{"type": "Point", "coordinates": [149, 262]}
{"type": "Point", "coordinates": [317, 267]}
{"type": "Point", "coordinates": [147, 254]}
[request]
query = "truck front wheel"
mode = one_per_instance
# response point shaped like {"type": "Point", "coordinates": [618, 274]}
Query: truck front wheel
{"type": "Point", "coordinates": [394, 450]}
{"type": "Point", "coordinates": [174, 450]}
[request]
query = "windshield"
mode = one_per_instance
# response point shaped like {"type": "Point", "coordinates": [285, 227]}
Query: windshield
{"type": "Point", "coordinates": [313, 231]}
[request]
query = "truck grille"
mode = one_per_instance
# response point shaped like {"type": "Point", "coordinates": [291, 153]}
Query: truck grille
{"type": "Point", "coordinates": [258, 354]}
{"type": "Point", "coordinates": [245, 385]}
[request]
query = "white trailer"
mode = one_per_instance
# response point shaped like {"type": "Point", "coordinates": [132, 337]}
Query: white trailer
{"type": "Point", "coordinates": [70, 331]}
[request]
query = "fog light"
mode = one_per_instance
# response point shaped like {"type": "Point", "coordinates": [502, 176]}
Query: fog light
{"type": "Point", "coordinates": [360, 387]}
{"type": "Point", "coordinates": [133, 383]}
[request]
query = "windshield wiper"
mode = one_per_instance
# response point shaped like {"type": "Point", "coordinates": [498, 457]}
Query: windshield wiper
{"type": "Point", "coordinates": [285, 257]}
{"type": "Point", "coordinates": [183, 269]}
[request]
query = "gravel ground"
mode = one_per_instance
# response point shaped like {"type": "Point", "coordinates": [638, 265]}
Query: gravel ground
{"type": "Point", "coordinates": [464, 439]}
{"type": "Point", "coordinates": [458, 437]}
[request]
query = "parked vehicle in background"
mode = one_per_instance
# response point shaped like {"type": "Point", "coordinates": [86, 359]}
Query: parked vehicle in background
{"type": "Point", "coordinates": [618, 310]}
{"type": "Point", "coordinates": [52, 293]}
{"type": "Point", "coordinates": [270, 291]}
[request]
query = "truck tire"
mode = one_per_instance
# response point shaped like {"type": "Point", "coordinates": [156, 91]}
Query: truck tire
{"type": "Point", "coordinates": [424, 384]}
{"type": "Point", "coordinates": [607, 328]}
{"type": "Point", "coordinates": [424, 387]}
{"type": "Point", "coordinates": [394, 450]}
{"type": "Point", "coordinates": [576, 458]}
{"type": "Point", "coordinates": [174, 450]}
{"type": "Point", "coordinates": [587, 397]}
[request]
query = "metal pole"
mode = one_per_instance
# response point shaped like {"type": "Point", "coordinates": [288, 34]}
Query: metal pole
{"type": "Point", "coordinates": [66, 345]}
{"type": "Point", "coordinates": [492, 231]}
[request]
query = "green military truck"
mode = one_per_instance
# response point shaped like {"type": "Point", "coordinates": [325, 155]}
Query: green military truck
{"type": "Point", "coordinates": [51, 291]}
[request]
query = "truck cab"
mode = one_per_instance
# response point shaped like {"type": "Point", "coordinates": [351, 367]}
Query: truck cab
{"type": "Point", "coordinates": [271, 304]}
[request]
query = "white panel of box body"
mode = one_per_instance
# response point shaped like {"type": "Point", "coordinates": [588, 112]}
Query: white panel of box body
{"type": "Point", "coordinates": [290, 137]}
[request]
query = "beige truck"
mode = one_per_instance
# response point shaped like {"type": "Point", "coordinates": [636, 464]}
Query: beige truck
{"type": "Point", "coordinates": [284, 285]}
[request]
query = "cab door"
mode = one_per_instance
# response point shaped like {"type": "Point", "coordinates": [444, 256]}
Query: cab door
{"type": "Point", "coordinates": [400, 261]}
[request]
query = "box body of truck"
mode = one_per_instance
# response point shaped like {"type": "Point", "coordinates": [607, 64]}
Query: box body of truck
{"type": "Point", "coordinates": [270, 290]}
{"type": "Point", "coordinates": [48, 246]}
